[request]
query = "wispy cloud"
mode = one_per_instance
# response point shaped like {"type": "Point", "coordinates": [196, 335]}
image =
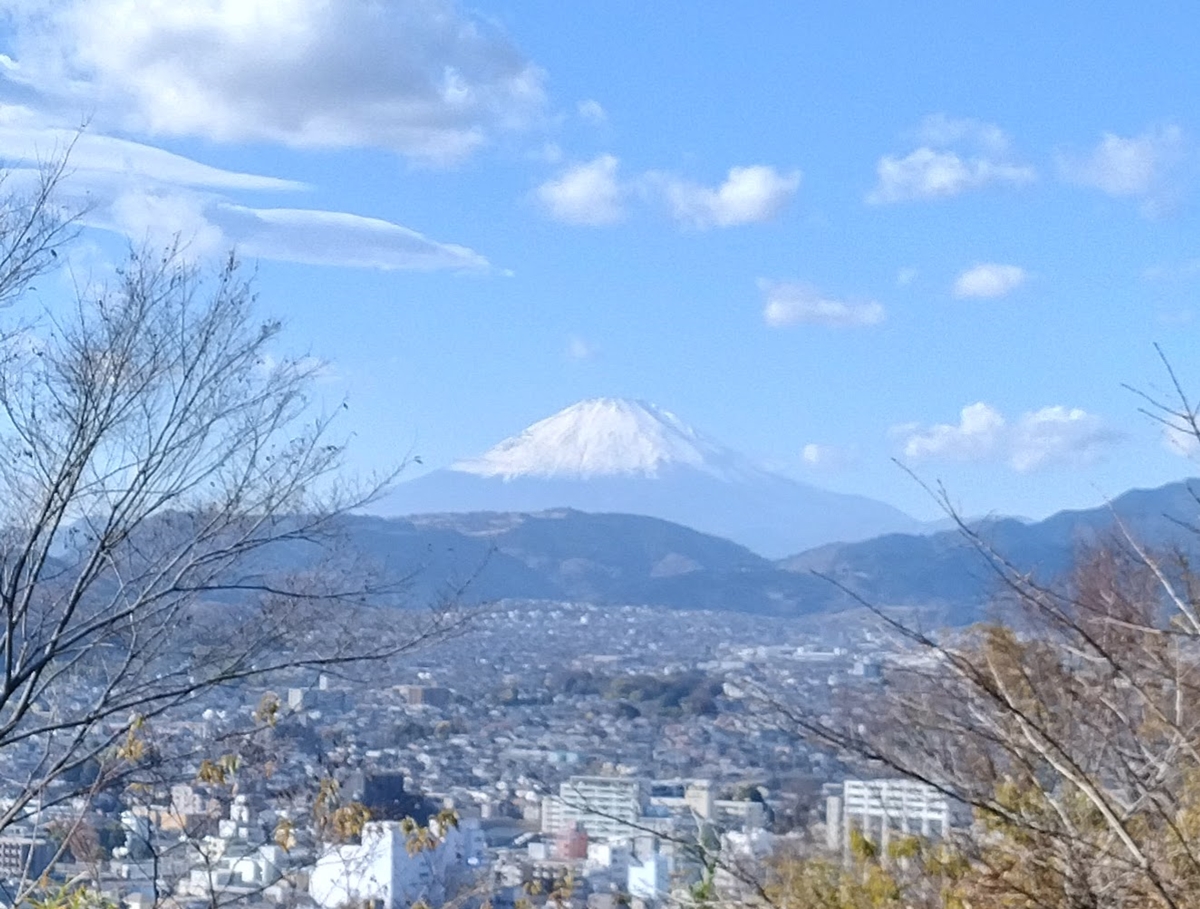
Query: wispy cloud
{"type": "Point", "coordinates": [1180, 440]}
{"type": "Point", "coordinates": [1184, 270]}
{"type": "Point", "coordinates": [1047, 437]}
{"type": "Point", "coordinates": [579, 349]}
{"type": "Point", "coordinates": [941, 131]}
{"type": "Point", "coordinates": [794, 303]}
{"type": "Point", "coordinates": [989, 280]}
{"type": "Point", "coordinates": [956, 155]}
{"type": "Point", "coordinates": [749, 195]}
{"type": "Point", "coordinates": [817, 456]}
{"type": "Point", "coordinates": [27, 138]}
{"type": "Point", "coordinates": [146, 193]}
{"type": "Point", "coordinates": [339, 238]}
{"type": "Point", "coordinates": [425, 80]}
{"type": "Point", "coordinates": [1144, 167]}
{"type": "Point", "coordinates": [932, 174]}
{"type": "Point", "coordinates": [592, 111]}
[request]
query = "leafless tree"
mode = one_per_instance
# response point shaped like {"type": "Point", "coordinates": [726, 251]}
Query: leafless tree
{"type": "Point", "coordinates": [166, 492]}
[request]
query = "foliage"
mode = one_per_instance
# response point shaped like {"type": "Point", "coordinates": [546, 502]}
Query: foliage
{"type": "Point", "coordinates": [1072, 731]}
{"type": "Point", "coordinates": [1070, 726]}
{"type": "Point", "coordinates": [680, 694]}
{"type": "Point", "coordinates": [912, 874]}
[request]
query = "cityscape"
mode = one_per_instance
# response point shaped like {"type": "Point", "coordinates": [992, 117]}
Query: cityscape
{"type": "Point", "coordinates": [606, 754]}
{"type": "Point", "coordinates": [511, 455]}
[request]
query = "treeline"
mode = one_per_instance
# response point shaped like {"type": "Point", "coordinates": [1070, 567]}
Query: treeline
{"type": "Point", "coordinates": [679, 694]}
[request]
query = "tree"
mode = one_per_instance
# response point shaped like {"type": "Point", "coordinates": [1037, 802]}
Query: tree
{"type": "Point", "coordinates": [166, 497]}
{"type": "Point", "coordinates": [1071, 727]}
{"type": "Point", "coordinates": [910, 874]}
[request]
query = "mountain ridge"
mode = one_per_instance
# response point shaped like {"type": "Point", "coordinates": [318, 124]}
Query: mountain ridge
{"type": "Point", "coordinates": [605, 558]}
{"type": "Point", "coordinates": [620, 456]}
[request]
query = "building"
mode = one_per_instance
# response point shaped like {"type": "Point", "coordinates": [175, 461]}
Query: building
{"type": "Point", "coordinates": [238, 861]}
{"type": "Point", "coordinates": [741, 851]}
{"type": "Point", "coordinates": [695, 801]}
{"type": "Point", "coordinates": [879, 808]}
{"type": "Point", "coordinates": [571, 845]}
{"type": "Point", "coordinates": [425, 695]}
{"type": "Point", "coordinates": [685, 797]}
{"type": "Point", "coordinates": [605, 807]}
{"type": "Point", "coordinates": [738, 814]}
{"type": "Point", "coordinates": [383, 794]}
{"type": "Point", "coordinates": [382, 870]}
{"type": "Point", "coordinates": [25, 856]}
{"type": "Point", "coordinates": [649, 879]}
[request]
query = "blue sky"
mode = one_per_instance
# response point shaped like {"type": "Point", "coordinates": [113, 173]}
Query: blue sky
{"type": "Point", "coordinates": [828, 235]}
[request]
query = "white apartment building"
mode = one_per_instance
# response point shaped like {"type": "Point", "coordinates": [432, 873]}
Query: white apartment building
{"type": "Point", "coordinates": [879, 808]}
{"type": "Point", "coordinates": [382, 870]}
{"type": "Point", "coordinates": [606, 807]}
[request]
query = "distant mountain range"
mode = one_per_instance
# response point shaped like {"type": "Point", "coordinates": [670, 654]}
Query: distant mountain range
{"type": "Point", "coordinates": [616, 455]}
{"type": "Point", "coordinates": [564, 554]}
{"type": "Point", "coordinates": [569, 555]}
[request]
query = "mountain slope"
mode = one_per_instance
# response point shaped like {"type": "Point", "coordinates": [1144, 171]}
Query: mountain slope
{"type": "Point", "coordinates": [614, 455]}
{"type": "Point", "coordinates": [571, 555]}
{"type": "Point", "coordinates": [629, 559]}
{"type": "Point", "coordinates": [606, 437]}
{"type": "Point", "coordinates": [944, 571]}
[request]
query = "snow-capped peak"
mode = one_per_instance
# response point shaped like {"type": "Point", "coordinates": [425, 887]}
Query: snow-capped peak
{"type": "Point", "coordinates": [604, 437]}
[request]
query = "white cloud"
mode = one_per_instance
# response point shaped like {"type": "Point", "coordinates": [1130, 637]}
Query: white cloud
{"type": "Point", "coordinates": [749, 195]}
{"type": "Point", "coordinates": [931, 174]}
{"type": "Point", "coordinates": [976, 436]}
{"type": "Point", "coordinates": [208, 225]}
{"type": "Point", "coordinates": [989, 280]}
{"type": "Point", "coordinates": [148, 194]}
{"type": "Point", "coordinates": [1050, 436]}
{"type": "Point", "coordinates": [579, 349]}
{"type": "Point", "coordinates": [593, 193]}
{"type": "Point", "coordinates": [1138, 167]}
{"type": "Point", "coordinates": [1058, 435]}
{"type": "Point", "coordinates": [791, 303]}
{"type": "Point", "coordinates": [338, 238]}
{"type": "Point", "coordinates": [30, 139]}
{"type": "Point", "coordinates": [1180, 440]}
{"type": "Point", "coordinates": [826, 457]}
{"type": "Point", "coordinates": [158, 215]}
{"type": "Point", "coordinates": [549, 153]}
{"type": "Point", "coordinates": [906, 276]}
{"type": "Point", "coordinates": [954, 155]}
{"type": "Point", "coordinates": [1172, 271]}
{"type": "Point", "coordinates": [592, 111]}
{"type": "Point", "coordinates": [422, 78]}
{"type": "Point", "coordinates": [941, 131]}
{"type": "Point", "coordinates": [588, 194]}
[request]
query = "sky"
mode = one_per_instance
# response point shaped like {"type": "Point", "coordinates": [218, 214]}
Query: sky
{"type": "Point", "coordinates": [837, 237]}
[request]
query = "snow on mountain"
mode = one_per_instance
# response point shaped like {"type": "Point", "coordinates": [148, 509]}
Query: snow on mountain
{"type": "Point", "coordinates": [606, 437]}
{"type": "Point", "coordinates": [621, 456]}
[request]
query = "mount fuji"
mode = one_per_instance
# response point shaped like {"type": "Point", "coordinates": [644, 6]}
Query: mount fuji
{"type": "Point", "coordinates": [617, 455]}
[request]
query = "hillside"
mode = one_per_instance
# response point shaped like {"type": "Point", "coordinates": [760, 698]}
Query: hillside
{"type": "Point", "coordinates": [564, 554]}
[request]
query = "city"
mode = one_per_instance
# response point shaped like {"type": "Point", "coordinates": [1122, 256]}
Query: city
{"type": "Point", "coordinates": [567, 741]}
